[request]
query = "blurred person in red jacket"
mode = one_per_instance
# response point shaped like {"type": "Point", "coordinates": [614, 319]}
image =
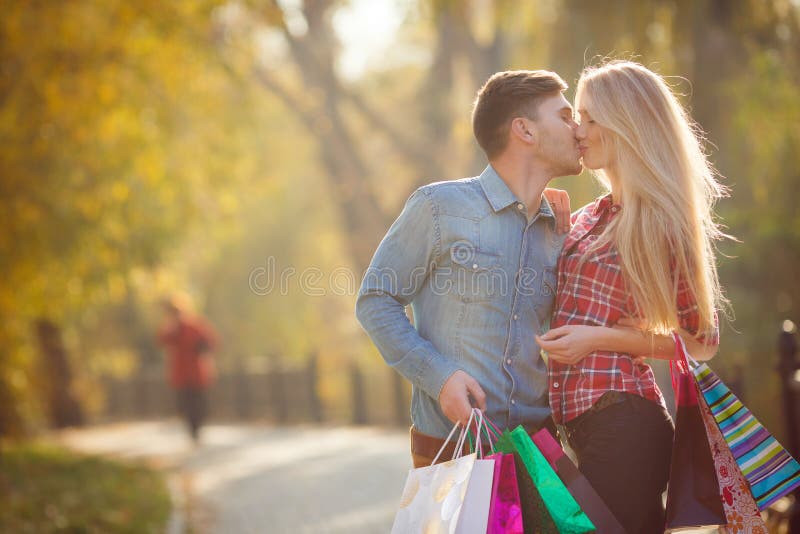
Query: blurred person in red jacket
{"type": "Point", "coordinates": [189, 341]}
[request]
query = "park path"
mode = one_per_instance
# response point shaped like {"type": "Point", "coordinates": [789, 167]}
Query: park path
{"type": "Point", "coordinates": [263, 479]}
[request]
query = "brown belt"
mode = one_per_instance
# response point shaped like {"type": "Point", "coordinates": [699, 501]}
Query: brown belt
{"type": "Point", "coordinates": [428, 446]}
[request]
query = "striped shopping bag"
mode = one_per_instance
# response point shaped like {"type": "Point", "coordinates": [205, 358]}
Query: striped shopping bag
{"type": "Point", "coordinates": [741, 510]}
{"type": "Point", "coordinates": [768, 468]}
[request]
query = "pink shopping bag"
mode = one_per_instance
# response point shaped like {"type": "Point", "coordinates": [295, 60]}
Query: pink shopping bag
{"type": "Point", "coordinates": [505, 509]}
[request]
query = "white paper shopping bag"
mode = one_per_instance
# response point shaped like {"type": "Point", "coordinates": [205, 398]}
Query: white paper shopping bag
{"type": "Point", "coordinates": [433, 497]}
{"type": "Point", "coordinates": [452, 497]}
{"type": "Point", "coordinates": [474, 514]}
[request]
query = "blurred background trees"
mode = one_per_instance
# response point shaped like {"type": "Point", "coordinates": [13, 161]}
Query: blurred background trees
{"type": "Point", "coordinates": [253, 153]}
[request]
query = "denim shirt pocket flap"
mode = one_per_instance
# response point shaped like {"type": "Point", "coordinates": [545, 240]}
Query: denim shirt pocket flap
{"type": "Point", "coordinates": [477, 276]}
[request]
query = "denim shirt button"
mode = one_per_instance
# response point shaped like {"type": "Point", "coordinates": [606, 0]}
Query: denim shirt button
{"type": "Point", "coordinates": [508, 361]}
{"type": "Point", "coordinates": [474, 265]}
{"type": "Point", "coordinates": [513, 401]}
{"type": "Point", "coordinates": [516, 316]}
{"type": "Point", "coordinates": [520, 206]}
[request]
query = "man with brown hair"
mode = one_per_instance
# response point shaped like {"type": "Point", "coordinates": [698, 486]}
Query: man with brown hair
{"type": "Point", "coordinates": [476, 260]}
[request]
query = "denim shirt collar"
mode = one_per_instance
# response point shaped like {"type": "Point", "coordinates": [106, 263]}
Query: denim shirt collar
{"type": "Point", "coordinates": [496, 190]}
{"type": "Point", "coordinates": [500, 196]}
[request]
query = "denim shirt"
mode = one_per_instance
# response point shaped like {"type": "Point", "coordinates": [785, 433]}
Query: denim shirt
{"type": "Point", "coordinates": [480, 278]}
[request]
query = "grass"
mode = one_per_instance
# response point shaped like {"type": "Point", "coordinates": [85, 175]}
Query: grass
{"type": "Point", "coordinates": [46, 489]}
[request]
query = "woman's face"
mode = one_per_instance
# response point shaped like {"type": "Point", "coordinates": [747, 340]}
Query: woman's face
{"type": "Point", "coordinates": [595, 152]}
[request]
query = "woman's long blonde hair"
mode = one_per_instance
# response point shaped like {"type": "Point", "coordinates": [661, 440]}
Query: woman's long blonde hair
{"type": "Point", "coordinates": [665, 231]}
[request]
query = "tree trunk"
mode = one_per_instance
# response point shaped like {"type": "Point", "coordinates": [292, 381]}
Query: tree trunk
{"type": "Point", "coordinates": [62, 407]}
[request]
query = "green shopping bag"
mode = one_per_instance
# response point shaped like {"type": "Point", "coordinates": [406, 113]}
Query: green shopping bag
{"type": "Point", "coordinates": [535, 517]}
{"type": "Point", "coordinates": [562, 507]}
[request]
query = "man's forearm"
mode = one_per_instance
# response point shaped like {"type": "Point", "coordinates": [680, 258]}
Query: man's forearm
{"type": "Point", "coordinates": [400, 344]}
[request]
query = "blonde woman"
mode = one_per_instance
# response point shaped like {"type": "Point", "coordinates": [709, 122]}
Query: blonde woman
{"type": "Point", "coordinates": [644, 251]}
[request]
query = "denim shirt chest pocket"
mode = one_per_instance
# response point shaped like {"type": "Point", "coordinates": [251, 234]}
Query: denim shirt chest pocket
{"type": "Point", "coordinates": [466, 271]}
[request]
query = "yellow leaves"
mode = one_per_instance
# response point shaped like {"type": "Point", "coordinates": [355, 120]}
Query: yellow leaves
{"type": "Point", "coordinates": [149, 166]}
{"type": "Point", "coordinates": [89, 207]}
{"type": "Point", "coordinates": [120, 192]}
{"type": "Point", "coordinates": [28, 213]}
{"type": "Point", "coordinates": [228, 202]}
{"type": "Point", "coordinates": [75, 286]}
{"type": "Point", "coordinates": [107, 93]}
{"type": "Point", "coordinates": [115, 127]}
{"type": "Point", "coordinates": [117, 288]}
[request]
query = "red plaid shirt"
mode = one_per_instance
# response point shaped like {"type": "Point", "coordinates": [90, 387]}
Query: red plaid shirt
{"type": "Point", "coordinates": [593, 293]}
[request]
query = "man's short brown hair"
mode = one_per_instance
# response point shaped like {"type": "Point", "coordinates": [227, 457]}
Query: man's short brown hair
{"type": "Point", "coordinates": [505, 96]}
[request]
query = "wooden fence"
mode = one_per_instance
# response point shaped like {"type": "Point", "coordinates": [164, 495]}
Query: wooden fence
{"type": "Point", "coordinates": [280, 395]}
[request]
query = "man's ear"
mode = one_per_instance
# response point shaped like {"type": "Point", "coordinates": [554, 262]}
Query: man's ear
{"type": "Point", "coordinates": [521, 128]}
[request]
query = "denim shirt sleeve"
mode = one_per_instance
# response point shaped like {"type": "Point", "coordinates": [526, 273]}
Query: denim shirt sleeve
{"type": "Point", "coordinates": [399, 269]}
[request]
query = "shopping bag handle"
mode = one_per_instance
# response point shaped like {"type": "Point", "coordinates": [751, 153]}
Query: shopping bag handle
{"type": "Point", "coordinates": [683, 361]}
{"type": "Point", "coordinates": [485, 427]}
{"type": "Point", "coordinates": [476, 446]}
{"type": "Point", "coordinates": [682, 355]}
{"type": "Point", "coordinates": [457, 453]}
{"type": "Point", "coordinates": [492, 428]}
{"type": "Point", "coordinates": [460, 442]}
{"type": "Point", "coordinates": [481, 424]}
{"type": "Point", "coordinates": [681, 365]}
{"type": "Point", "coordinates": [446, 441]}
{"type": "Point", "coordinates": [691, 363]}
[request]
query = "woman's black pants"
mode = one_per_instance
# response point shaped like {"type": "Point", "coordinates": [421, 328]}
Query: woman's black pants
{"type": "Point", "coordinates": [624, 450]}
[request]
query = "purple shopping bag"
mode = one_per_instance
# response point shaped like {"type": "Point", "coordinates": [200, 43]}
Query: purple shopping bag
{"type": "Point", "coordinates": [505, 509]}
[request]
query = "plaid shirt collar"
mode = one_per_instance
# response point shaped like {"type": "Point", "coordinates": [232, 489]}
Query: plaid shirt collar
{"type": "Point", "coordinates": [603, 204]}
{"type": "Point", "coordinates": [586, 223]}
